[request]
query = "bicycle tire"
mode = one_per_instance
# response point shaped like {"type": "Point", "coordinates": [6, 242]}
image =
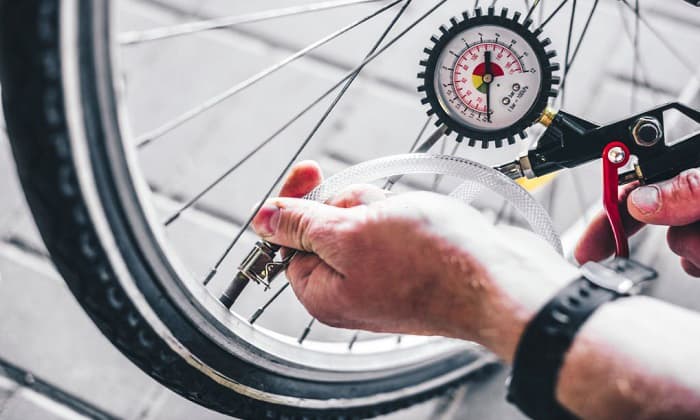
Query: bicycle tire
{"type": "Point", "coordinates": [34, 100]}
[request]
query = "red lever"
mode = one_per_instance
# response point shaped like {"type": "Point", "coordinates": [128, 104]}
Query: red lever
{"type": "Point", "coordinates": [615, 156]}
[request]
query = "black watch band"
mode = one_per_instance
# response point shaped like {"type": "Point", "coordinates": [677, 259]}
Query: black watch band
{"type": "Point", "coordinates": [548, 336]}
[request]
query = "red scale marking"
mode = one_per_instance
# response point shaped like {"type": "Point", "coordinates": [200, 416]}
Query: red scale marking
{"type": "Point", "coordinates": [460, 79]}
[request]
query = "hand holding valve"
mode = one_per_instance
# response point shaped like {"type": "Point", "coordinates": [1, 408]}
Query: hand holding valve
{"type": "Point", "coordinates": [414, 263]}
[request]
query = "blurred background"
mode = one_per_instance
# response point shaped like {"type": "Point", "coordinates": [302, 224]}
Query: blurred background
{"type": "Point", "coordinates": [55, 364]}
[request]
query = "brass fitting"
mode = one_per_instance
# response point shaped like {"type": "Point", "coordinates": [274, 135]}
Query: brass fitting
{"type": "Point", "coordinates": [548, 116]}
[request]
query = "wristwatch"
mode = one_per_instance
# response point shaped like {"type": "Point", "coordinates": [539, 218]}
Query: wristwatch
{"type": "Point", "coordinates": [548, 336]}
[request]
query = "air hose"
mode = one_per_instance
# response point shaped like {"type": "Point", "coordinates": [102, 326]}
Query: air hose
{"type": "Point", "coordinates": [477, 177]}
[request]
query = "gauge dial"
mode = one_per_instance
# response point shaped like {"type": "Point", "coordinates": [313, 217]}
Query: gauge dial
{"type": "Point", "coordinates": [488, 77]}
{"type": "Point", "coordinates": [467, 80]}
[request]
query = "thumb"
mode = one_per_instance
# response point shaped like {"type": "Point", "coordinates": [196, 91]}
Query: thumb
{"type": "Point", "coordinates": [296, 223]}
{"type": "Point", "coordinates": [675, 202]}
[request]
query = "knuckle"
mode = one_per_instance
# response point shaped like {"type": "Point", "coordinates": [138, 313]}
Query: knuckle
{"type": "Point", "coordinates": [302, 231]}
{"type": "Point", "coordinates": [319, 232]}
{"type": "Point", "coordinates": [298, 226]}
{"type": "Point", "coordinates": [686, 185]}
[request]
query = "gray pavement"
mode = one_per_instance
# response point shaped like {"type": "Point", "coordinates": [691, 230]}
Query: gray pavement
{"type": "Point", "coordinates": [45, 333]}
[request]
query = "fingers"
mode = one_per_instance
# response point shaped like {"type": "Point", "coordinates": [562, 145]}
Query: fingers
{"type": "Point", "coordinates": [313, 281]}
{"type": "Point", "coordinates": [358, 195]}
{"type": "Point", "coordinates": [685, 242]}
{"type": "Point", "coordinates": [302, 179]}
{"type": "Point", "coordinates": [674, 203]}
{"type": "Point", "coordinates": [300, 270]}
{"type": "Point", "coordinates": [598, 242]}
{"type": "Point", "coordinates": [690, 268]}
{"type": "Point", "coordinates": [300, 224]}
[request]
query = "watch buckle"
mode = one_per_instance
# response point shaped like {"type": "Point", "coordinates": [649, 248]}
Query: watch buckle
{"type": "Point", "coordinates": [622, 276]}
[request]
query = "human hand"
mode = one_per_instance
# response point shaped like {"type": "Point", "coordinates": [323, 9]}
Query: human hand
{"type": "Point", "coordinates": [415, 263]}
{"type": "Point", "coordinates": [674, 203]}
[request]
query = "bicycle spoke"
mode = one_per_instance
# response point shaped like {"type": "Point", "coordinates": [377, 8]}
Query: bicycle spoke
{"type": "Point", "coordinates": [420, 135]}
{"type": "Point", "coordinates": [643, 70]}
{"type": "Point", "coordinates": [391, 182]}
{"type": "Point", "coordinates": [568, 49]}
{"type": "Point", "coordinates": [306, 331]}
{"type": "Point", "coordinates": [532, 9]}
{"type": "Point", "coordinates": [667, 44]}
{"type": "Point", "coordinates": [430, 141]}
{"type": "Point", "coordinates": [584, 32]}
{"type": "Point", "coordinates": [554, 13]}
{"type": "Point", "coordinates": [635, 66]}
{"type": "Point", "coordinates": [423, 148]}
{"type": "Point", "coordinates": [353, 340]}
{"type": "Point", "coordinates": [580, 194]}
{"type": "Point", "coordinates": [259, 147]}
{"type": "Point", "coordinates": [541, 14]}
{"type": "Point", "coordinates": [438, 178]}
{"type": "Point", "coordinates": [284, 127]}
{"type": "Point", "coordinates": [308, 139]}
{"type": "Point", "coordinates": [501, 213]}
{"type": "Point", "coordinates": [267, 304]}
{"type": "Point", "coordinates": [190, 28]}
{"type": "Point", "coordinates": [159, 132]}
{"type": "Point", "coordinates": [249, 155]}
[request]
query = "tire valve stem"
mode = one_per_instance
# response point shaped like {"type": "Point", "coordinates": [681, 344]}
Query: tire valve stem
{"type": "Point", "coordinates": [260, 267]}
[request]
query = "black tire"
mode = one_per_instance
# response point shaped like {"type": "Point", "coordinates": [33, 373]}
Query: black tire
{"type": "Point", "coordinates": [32, 76]}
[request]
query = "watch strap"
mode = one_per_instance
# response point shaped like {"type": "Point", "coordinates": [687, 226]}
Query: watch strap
{"type": "Point", "coordinates": [549, 335]}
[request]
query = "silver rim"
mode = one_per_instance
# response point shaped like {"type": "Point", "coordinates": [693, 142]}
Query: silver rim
{"type": "Point", "coordinates": [357, 360]}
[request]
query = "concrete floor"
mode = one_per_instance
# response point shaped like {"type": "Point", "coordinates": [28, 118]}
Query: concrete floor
{"type": "Point", "coordinates": [54, 363]}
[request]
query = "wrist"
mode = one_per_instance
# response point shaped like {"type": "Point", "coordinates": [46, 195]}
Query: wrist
{"type": "Point", "coordinates": [519, 295]}
{"type": "Point", "coordinates": [507, 282]}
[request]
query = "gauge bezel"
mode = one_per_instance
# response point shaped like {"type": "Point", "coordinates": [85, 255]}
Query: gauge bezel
{"type": "Point", "coordinates": [456, 28]}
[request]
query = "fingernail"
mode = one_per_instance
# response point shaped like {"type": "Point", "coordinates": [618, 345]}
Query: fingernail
{"type": "Point", "coordinates": [646, 199]}
{"type": "Point", "coordinates": [267, 220]}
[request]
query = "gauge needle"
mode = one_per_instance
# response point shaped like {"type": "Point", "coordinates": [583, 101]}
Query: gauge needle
{"type": "Point", "coordinates": [488, 78]}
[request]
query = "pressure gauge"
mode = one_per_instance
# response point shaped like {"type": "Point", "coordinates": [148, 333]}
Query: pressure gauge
{"type": "Point", "coordinates": [488, 77]}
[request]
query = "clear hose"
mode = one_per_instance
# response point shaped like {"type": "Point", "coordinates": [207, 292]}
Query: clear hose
{"type": "Point", "coordinates": [476, 176]}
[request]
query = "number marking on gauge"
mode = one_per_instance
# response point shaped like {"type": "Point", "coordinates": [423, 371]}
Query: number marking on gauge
{"type": "Point", "coordinates": [488, 77]}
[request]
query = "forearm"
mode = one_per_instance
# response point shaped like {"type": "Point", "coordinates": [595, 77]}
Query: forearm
{"type": "Point", "coordinates": [634, 359]}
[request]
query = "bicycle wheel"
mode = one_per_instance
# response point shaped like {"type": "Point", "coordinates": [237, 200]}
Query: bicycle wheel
{"type": "Point", "coordinates": [110, 218]}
